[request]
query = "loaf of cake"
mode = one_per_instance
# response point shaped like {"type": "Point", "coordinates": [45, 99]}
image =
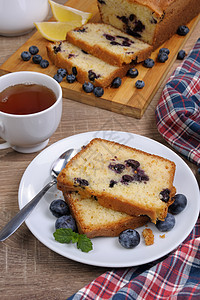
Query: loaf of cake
{"type": "Point", "coordinates": [152, 21]}
{"type": "Point", "coordinates": [95, 220]}
{"type": "Point", "coordinates": [121, 178]}
{"type": "Point", "coordinates": [88, 67]}
{"type": "Point", "coordinates": [109, 44]}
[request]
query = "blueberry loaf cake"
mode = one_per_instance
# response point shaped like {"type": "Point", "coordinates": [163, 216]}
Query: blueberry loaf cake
{"type": "Point", "coordinates": [109, 44]}
{"type": "Point", "coordinates": [121, 178]}
{"type": "Point", "coordinates": [88, 67]}
{"type": "Point", "coordinates": [95, 220]}
{"type": "Point", "coordinates": [152, 21]}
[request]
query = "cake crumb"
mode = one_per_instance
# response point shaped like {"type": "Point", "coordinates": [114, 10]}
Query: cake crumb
{"type": "Point", "coordinates": [162, 236]}
{"type": "Point", "coordinates": [148, 236]}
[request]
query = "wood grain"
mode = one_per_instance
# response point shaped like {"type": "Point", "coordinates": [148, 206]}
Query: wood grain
{"type": "Point", "coordinates": [127, 99]}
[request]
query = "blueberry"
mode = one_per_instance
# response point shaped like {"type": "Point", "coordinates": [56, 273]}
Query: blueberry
{"type": "Point", "coordinates": [129, 238]}
{"type": "Point", "coordinates": [59, 208]}
{"type": "Point", "coordinates": [98, 91]}
{"type": "Point", "coordinates": [44, 63]}
{"type": "Point", "coordinates": [148, 63]}
{"type": "Point", "coordinates": [116, 82]}
{"type": "Point", "coordinates": [88, 87]}
{"type": "Point", "coordinates": [180, 202]}
{"type": "Point", "coordinates": [36, 58]}
{"type": "Point", "coordinates": [167, 224]}
{"type": "Point", "coordinates": [132, 163]}
{"type": "Point", "coordinates": [66, 222]}
{"type": "Point", "coordinates": [164, 50]}
{"type": "Point", "coordinates": [183, 30]}
{"type": "Point", "coordinates": [62, 72]}
{"type": "Point", "coordinates": [181, 54]}
{"type": "Point", "coordinates": [33, 50]}
{"type": "Point", "coordinates": [58, 77]}
{"type": "Point", "coordinates": [139, 84]}
{"type": "Point", "coordinates": [132, 72]}
{"type": "Point", "coordinates": [71, 78]}
{"type": "Point", "coordinates": [162, 57]}
{"type": "Point", "coordinates": [81, 182]}
{"type": "Point", "coordinates": [74, 71]}
{"type": "Point", "coordinates": [25, 55]}
{"type": "Point", "coordinates": [164, 195]}
{"type": "Point", "coordinates": [112, 183]}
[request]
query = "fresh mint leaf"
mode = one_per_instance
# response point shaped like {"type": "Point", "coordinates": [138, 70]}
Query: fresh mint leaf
{"type": "Point", "coordinates": [84, 243]}
{"type": "Point", "coordinates": [67, 235]}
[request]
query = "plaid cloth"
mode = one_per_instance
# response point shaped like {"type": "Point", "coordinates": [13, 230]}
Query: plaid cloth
{"type": "Point", "coordinates": [177, 276]}
{"type": "Point", "coordinates": [178, 111]}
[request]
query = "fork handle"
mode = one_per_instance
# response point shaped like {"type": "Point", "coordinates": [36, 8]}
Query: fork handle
{"type": "Point", "coordinates": [20, 217]}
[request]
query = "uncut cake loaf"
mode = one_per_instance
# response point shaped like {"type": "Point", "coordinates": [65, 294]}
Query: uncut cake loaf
{"type": "Point", "coordinates": [121, 178]}
{"type": "Point", "coordinates": [152, 21]}
{"type": "Point", "coordinates": [95, 220]}
{"type": "Point", "coordinates": [109, 44]}
{"type": "Point", "coordinates": [88, 67]}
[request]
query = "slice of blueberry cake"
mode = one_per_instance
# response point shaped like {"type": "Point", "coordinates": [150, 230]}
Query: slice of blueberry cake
{"type": "Point", "coordinates": [88, 67]}
{"type": "Point", "coordinates": [121, 178]}
{"type": "Point", "coordinates": [109, 44]}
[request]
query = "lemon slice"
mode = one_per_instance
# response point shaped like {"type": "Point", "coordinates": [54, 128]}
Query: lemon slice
{"type": "Point", "coordinates": [64, 13]}
{"type": "Point", "coordinates": [55, 31]}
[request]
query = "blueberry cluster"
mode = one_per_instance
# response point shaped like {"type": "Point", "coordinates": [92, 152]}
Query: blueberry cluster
{"type": "Point", "coordinates": [163, 55]}
{"type": "Point", "coordinates": [60, 210]}
{"type": "Point", "coordinates": [36, 58]}
{"type": "Point", "coordinates": [61, 73]}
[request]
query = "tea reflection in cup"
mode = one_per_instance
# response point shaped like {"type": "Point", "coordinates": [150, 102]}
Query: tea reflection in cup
{"type": "Point", "coordinates": [30, 132]}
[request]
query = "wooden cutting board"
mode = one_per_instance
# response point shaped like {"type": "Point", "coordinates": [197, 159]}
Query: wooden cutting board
{"type": "Point", "coordinates": [125, 100]}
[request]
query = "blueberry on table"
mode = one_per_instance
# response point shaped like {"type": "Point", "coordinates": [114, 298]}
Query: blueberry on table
{"type": "Point", "coordinates": [116, 82]}
{"type": "Point", "coordinates": [181, 55]}
{"type": "Point", "coordinates": [183, 30]}
{"type": "Point", "coordinates": [88, 87]}
{"type": "Point", "coordinates": [129, 238]}
{"type": "Point", "coordinates": [148, 63]}
{"type": "Point", "coordinates": [71, 78]}
{"type": "Point", "coordinates": [132, 72]}
{"type": "Point", "coordinates": [179, 204]}
{"type": "Point", "coordinates": [139, 84]}
{"type": "Point", "coordinates": [66, 222]}
{"type": "Point", "coordinates": [33, 50]}
{"type": "Point", "coordinates": [167, 224]}
{"type": "Point", "coordinates": [162, 57]}
{"type": "Point", "coordinates": [25, 55]}
{"type": "Point", "coordinates": [58, 77]}
{"type": "Point", "coordinates": [44, 63]}
{"type": "Point", "coordinates": [36, 59]}
{"type": "Point", "coordinates": [62, 72]}
{"type": "Point", "coordinates": [98, 91]}
{"type": "Point", "coordinates": [59, 208]}
{"type": "Point", "coordinates": [165, 50]}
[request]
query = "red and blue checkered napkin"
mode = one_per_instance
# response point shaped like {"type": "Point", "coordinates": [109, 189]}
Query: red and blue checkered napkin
{"type": "Point", "coordinates": [178, 111]}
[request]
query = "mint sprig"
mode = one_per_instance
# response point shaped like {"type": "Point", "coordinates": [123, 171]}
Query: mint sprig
{"type": "Point", "coordinates": [67, 235]}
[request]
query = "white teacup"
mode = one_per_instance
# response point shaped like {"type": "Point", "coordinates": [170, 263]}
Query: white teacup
{"type": "Point", "coordinates": [30, 133]}
{"type": "Point", "coordinates": [18, 16]}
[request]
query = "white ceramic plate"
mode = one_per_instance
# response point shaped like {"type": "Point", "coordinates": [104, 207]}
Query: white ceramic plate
{"type": "Point", "coordinates": [107, 251]}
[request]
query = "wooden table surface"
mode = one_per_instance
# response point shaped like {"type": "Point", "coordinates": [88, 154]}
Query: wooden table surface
{"type": "Point", "coordinates": [29, 270]}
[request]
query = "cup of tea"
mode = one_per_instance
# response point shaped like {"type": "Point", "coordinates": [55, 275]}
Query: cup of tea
{"type": "Point", "coordinates": [30, 110]}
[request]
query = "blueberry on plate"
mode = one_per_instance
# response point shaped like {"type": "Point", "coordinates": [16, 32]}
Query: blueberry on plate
{"type": "Point", "coordinates": [148, 63]}
{"type": "Point", "coordinates": [165, 50]}
{"type": "Point", "coordinates": [183, 30]}
{"type": "Point", "coordinates": [162, 57]}
{"type": "Point", "coordinates": [36, 59]}
{"type": "Point", "coordinates": [129, 238]}
{"type": "Point", "coordinates": [59, 208]}
{"type": "Point", "coordinates": [132, 72]}
{"type": "Point", "coordinates": [167, 224]}
{"type": "Point", "coordinates": [116, 82]}
{"type": "Point", "coordinates": [139, 84]}
{"type": "Point", "coordinates": [33, 50]}
{"type": "Point", "coordinates": [66, 222]}
{"type": "Point", "coordinates": [58, 77]}
{"type": "Point", "coordinates": [25, 55]}
{"type": "Point", "coordinates": [62, 72]}
{"type": "Point", "coordinates": [71, 78]}
{"type": "Point", "coordinates": [181, 55]}
{"type": "Point", "coordinates": [44, 63]}
{"type": "Point", "coordinates": [88, 87]}
{"type": "Point", "coordinates": [179, 204]}
{"type": "Point", "coordinates": [98, 91]}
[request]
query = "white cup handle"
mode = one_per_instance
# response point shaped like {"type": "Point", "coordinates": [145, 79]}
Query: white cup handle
{"type": "Point", "coordinates": [6, 144]}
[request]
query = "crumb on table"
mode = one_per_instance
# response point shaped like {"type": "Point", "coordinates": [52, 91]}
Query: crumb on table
{"type": "Point", "coordinates": [148, 236]}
